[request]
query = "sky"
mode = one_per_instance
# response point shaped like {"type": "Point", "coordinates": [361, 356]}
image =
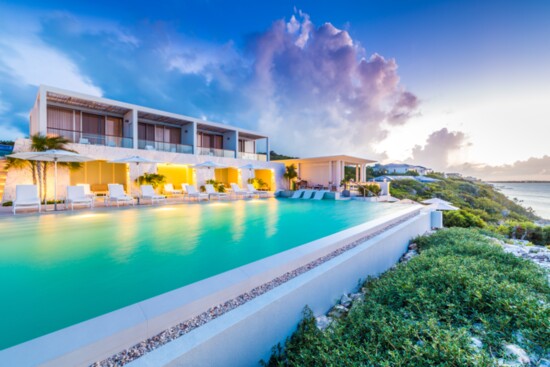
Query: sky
{"type": "Point", "coordinates": [453, 85]}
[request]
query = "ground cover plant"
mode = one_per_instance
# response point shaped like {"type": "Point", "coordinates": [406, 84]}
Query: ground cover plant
{"type": "Point", "coordinates": [425, 312]}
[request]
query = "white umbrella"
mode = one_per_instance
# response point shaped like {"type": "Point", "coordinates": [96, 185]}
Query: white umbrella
{"type": "Point", "coordinates": [135, 159]}
{"type": "Point", "coordinates": [443, 206]}
{"type": "Point", "coordinates": [251, 166]}
{"type": "Point", "coordinates": [52, 155]}
{"type": "Point", "coordinates": [209, 165]}
{"type": "Point", "coordinates": [392, 199]}
{"type": "Point", "coordinates": [435, 201]}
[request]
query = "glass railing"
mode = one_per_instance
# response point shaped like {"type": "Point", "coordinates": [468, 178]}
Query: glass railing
{"type": "Point", "coordinates": [216, 152]}
{"type": "Point", "coordinates": [165, 147]}
{"type": "Point", "coordinates": [5, 149]}
{"type": "Point", "coordinates": [79, 137]}
{"type": "Point", "coordinates": [252, 156]}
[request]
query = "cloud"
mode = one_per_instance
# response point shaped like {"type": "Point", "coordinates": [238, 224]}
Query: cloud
{"type": "Point", "coordinates": [531, 169]}
{"type": "Point", "coordinates": [315, 92]}
{"type": "Point", "coordinates": [439, 149]}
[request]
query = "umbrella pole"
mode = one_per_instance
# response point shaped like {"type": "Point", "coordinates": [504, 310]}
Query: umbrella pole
{"type": "Point", "coordinates": [55, 184]}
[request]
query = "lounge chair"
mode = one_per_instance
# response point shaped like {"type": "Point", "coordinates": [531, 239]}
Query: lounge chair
{"type": "Point", "coordinates": [147, 192]}
{"type": "Point", "coordinates": [253, 191]}
{"type": "Point", "coordinates": [193, 193]}
{"type": "Point", "coordinates": [308, 194]}
{"type": "Point", "coordinates": [117, 194]}
{"type": "Point", "coordinates": [297, 194]}
{"type": "Point", "coordinates": [238, 191]}
{"type": "Point", "coordinates": [77, 195]}
{"type": "Point", "coordinates": [26, 196]}
{"type": "Point", "coordinates": [210, 191]}
{"type": "Point", "coordinates": [87, 191]}
{"type": "Point", "coordinates": [169, 189]}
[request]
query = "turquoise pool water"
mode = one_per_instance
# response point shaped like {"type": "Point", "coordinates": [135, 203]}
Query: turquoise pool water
{"type": "Point", "coordinates": [58, 270]}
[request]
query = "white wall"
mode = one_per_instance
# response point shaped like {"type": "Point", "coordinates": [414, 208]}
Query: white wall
{"type": "Point", "coordinates": [315, 173]}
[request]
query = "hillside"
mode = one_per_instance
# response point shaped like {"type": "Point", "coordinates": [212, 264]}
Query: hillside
{"type": "Point", "coordinates": [477, 198]}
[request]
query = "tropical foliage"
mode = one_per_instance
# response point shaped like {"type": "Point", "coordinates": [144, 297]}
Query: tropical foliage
{"type": "Point", "coordinates": [153, 179]}
{"type": "Point", "coordinates": [369, 190]}
{"type": "Point", "coordinates": [290, 173]}
{"type": "Point", "coordinates": [258, 183]}
{"type": "Point", "coordinates": [39, 169]}
{"type": "Point", "coordinates": [218, 186]}
{"type": "Point", "coordinates": [425, 312]}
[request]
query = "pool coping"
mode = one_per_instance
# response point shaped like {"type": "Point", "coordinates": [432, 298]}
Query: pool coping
{"type": "Point", "coordinates": [119, 331]}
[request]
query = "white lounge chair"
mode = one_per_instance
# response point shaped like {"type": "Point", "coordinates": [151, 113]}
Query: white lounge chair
{"type": "Point", "coordinates": [307, 194]}
{"type": "Point", "coordinates": [77, 195]}
{"type": "Point", "coordinates": [238, 191]}
{"type": "Point", "coordinates": [117, 194]}
{"type": "Point", "coordinates": [147, 192]}
{"type": "Point", "coordinates": [192, 192]}
{"type": "Point", "coordinates": [210, 191]}
{"type": "Point", "coordinates": [253, 191]}
{"type": "Point", "coordinates": [87, 191]}
{"type": "Point", "coordinates": [169, 189]}
{"type": "Point", "coordinates": [26, 196]}
{"type": "Point", "coordinates": [297, 194]}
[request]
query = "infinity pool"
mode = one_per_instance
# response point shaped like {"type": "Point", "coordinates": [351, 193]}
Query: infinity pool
{"type": "Point", "coordinates": [58, 270]}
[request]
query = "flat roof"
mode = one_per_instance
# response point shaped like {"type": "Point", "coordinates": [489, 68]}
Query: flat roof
{"type": "Point", "coordinates": [70, 98]}
{"type": "Point", "coordinates": [346, 158]}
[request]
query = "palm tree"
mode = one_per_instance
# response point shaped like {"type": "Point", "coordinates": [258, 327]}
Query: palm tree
{"type": "Point", "coordinates": [290, 173]}
{"type": "Point", "coordinates": [40, 143]}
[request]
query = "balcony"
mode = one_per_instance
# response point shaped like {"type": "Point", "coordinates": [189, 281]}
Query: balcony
{"type": "Point", "coordinates": [252, 156]}
{"type": "Point", "coordinates": [93, 139]}
{"type": "Point", "coordinates": [216, 152]}
{"type": "Point", "coordinates": [165, 147]}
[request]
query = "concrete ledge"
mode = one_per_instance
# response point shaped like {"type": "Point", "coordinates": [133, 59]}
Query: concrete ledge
{"type": "Point", "coordinates": [103, 336]}
{"type": "Point", "coordinates": [245, 335]}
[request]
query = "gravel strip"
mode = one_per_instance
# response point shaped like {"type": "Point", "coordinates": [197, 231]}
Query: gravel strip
{"type": "Point", "coordinates": [138, 350]}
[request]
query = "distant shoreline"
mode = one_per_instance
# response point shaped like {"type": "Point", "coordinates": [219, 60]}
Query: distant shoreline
{"type": "Point", "coordinates": [524, 181]}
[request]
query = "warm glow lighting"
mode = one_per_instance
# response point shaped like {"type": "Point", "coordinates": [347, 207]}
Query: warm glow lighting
{"type": "Point", "coordinates": [164, 209]}
{"type": "Point", "coordinates": [88, 216]}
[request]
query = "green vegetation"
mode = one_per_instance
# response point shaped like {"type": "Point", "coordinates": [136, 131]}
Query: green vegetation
{"type": "Point", "coordinates": [369, 190]}
{"type": "Point", "coordinates": [258, 183]}
{"type": "Point", "coordinates": [425, 312]}
{"type": "Point", "coordinates": [39, 169]}
{"type": "Point", "coordinates": [477, 198]}
{"type": "Point", "coordinates": [463, 219]}
{"type": "Point", "coordinates": [218, 186]}
{"type": "Point", "coordinates": [290, 174]}
{"type": "Point", "coordinates": [153, 179]}
{"type": "Point", "coordinates": [277, 157]}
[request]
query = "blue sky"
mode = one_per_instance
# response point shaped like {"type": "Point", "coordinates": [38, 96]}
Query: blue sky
{"type": "Point", "coordinates": [445, 82]}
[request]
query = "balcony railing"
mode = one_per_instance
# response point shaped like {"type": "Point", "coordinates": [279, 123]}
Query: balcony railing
{"type": "Point", "coordinates": [252, 156]}
{"type": "Point", "coordinates": [80, 137]}
{"type": "Point", "coordinates": [165, 147]}
{"type": "Point", "coordinates": [216, 152]}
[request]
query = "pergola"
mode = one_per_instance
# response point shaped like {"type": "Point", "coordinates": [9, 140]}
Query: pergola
{"type": "Point", "coordinates": [330, 169]}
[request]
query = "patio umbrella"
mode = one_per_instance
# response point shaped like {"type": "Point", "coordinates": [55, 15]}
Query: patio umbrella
{"type": "Point", "coordinates": [392, 199]}
{"type": "Point", "coordinates": [443, 206]}
{"type": "Point", "coordinates": [435, 201]}
{"type": "Point", "coordinates": [135, 159]}
{"type": "Point", "coordinates": [52, 155]}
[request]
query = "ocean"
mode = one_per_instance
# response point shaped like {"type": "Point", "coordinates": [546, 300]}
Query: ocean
{"type": "Point", "coordinates": [534, 195]}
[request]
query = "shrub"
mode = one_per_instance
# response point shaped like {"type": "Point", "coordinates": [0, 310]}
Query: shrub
{"type": "Point", "coordinates": [153, 179]}
{"type": "Point", "coordinates": [463, 219]}
{"type": "Point", "coordinates": [424, 312]}
{"type": "Point", "coordinates": [369, 190]}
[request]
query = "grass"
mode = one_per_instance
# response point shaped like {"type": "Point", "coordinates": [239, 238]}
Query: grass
{"type": "Point", "coordinates": [425, 312]}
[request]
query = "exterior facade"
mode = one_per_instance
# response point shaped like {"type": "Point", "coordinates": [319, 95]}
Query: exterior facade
{"type": "Point", "coordinates": [107, 130]}
{"type": "Point", "coordinates": [401, 169]}
{"type": "Point", "coordinates": [328, 172]}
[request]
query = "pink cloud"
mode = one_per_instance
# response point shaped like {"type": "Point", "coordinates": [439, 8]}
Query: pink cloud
{"type": "Point", "coordinates": [316, 82]}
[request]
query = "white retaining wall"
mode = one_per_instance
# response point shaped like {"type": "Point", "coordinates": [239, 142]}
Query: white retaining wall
{"type": "Point", "coordinates": [245, 335]}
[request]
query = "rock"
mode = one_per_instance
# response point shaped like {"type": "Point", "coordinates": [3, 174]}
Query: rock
{"type": "Point", "coordinates": [345, 300]}
{"type": "Point", "coordinates": [544, 362]}
{"type": "Point", "coordinates": [337, 311]}
{"type": "Point", "coordinates": [413, 246]}
{"type": "Point", "coordinates": [409, 255]}
{"type": "Point", "coordinates": [476, 343]}
{"type": "Point", "coordinates": [517, 352]}
{"type": "Point", "coordinates": [356, 296]}
{"type": "Point", "coordinates": [323, 322]}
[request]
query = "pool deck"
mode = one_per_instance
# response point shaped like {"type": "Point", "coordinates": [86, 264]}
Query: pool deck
{"type": "Point", "coordinates": [150, 326]}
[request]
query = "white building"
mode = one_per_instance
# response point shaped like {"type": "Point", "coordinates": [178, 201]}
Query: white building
{"type": "Point", "coordinates": [401, 169]}
{"type": "Point", "coordinates": [106, 130]}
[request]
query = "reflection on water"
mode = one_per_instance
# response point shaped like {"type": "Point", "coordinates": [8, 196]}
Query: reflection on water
{"type": "Point", "coordinates": [78, 265]}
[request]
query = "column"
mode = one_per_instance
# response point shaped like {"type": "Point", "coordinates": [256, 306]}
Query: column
{"type": "Point", "coordinates": [357, 173]}
{"type": "Point", "coordinates": [135, 135]}
{"type": "Point", "coordinates": [43, 112]}
{"type": "Point", "coordinates": [330, 178]}
{"type": "Point", "coordinates": [267, 149]}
